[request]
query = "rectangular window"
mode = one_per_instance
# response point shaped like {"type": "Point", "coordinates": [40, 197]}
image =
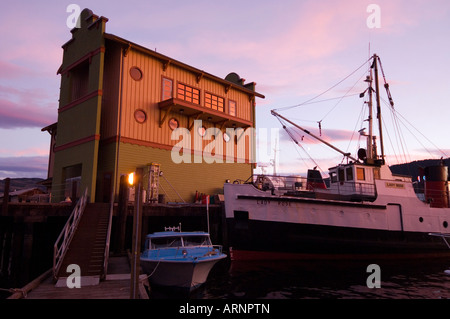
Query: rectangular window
{"type": "Point", "coordinates": [349, 172]}
{"type": "Point", "coordinates": [341, 175]}
{"type": "Point", "coordinates": [214, 102]}
{"type": "Point", "coordinates": [232, 108]}
{"type": "Point", "coordinates": [360, 174]}
{"type": "Point", "coordinates": [189, 94]}
{"type": "Point", "coordinates": [376, 173]}
{"type": "Point", "coordinates": [333, 177]}
{"type": "Point", "coordinates": [167, 89]}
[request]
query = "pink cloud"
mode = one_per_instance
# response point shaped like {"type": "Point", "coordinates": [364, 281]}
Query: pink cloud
{"type": "Point", "coordinates": [29, 151]}
{"type": "Point", "coordinates": [11, 70]}
{"type": "Point", "coordinates": [291, 48]}
{"type": "Point", "coordinates": [21, 107]}
{"type": "Point", "coordinates": [15, 167]}
{"type": "Point", "coordinates": [15, 115]}
{"type": "Point", "coordinates": [328, 135]}
{"type": "Point", "coordinates": [33, 37]}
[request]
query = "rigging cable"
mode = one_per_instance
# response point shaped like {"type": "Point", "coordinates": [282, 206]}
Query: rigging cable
{"type": "Point", "coordinates": [386, 85]}
{"type": "Point", "coordinates": [340, 100]}
{"type": "Point", "coordinates": [283, 125]}
{"type": "Point", "coordinates": [399, 140]}
{"type": "Point", "coordinates": [329, 89]}
{"type": "Point", "coordinates": [360, 117]}
{"type": "Point", "coordinates": [402, 118]}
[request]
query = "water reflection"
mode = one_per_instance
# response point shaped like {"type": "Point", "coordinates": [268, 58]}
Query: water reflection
{"type": "Point", "coordinates": [319, 280]}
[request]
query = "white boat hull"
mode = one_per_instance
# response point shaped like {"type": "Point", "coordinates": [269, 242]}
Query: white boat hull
{"type": "Point", "coordinates": [396, 224]}
{"type": "Point", "coordinates": [178, 274]}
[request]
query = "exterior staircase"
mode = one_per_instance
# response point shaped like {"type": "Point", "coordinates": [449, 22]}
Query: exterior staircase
{"type": "Point", "coordinates": [87, 246]}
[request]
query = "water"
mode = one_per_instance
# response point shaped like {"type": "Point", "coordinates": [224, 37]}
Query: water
{"type": "Point", "coordinates": [326, 280]}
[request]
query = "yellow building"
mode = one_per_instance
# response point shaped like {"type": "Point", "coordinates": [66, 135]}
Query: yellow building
{"type": "Point", "coordinates": [124, 106]}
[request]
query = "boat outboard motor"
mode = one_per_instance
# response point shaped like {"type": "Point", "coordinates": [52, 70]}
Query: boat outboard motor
{"type": "Point", "coordinates": [436, 185]}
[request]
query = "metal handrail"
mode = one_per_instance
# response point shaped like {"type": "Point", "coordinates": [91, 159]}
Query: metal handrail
{"type": "Point", "coordinates": [108, 237]}
{"type": "Point", "coordinates": [62, 243]}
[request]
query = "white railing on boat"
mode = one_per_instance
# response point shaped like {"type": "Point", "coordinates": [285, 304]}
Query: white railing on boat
{"type": "Point", "coordinates": [62, 243]}
{"type": "Point", "coordinates": [293, 185]}
{"type": "Point", "coordinates": [353, 189]}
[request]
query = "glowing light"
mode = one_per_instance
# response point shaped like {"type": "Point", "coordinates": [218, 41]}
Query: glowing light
{"type": "Point", "coordinates": [131, 178]}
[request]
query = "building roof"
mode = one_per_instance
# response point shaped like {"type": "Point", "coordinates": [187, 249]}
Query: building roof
{"type": "Point", "coordinates": [50, 127]}
{"type": "Point", "coordinates": [22, 191]}
{"type": "Point", "coordinates": [237, 84]}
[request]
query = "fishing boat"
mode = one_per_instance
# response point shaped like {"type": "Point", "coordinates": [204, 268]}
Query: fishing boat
{"type": "Point", "coordinates": [177, 259]}
{"type": "Point", "coordinates": [362, 211]}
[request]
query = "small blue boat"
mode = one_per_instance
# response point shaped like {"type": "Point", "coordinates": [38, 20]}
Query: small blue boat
{"type": "Point", "coordinates": [179, 259]}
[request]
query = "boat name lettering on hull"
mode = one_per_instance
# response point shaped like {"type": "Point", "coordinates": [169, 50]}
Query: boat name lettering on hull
{"type": "Point", "coordinates": [285, 204]}
{"type": "Point", "coordinates": [395, 185]}
{"type": "Point", "coordinates": [267, 202]}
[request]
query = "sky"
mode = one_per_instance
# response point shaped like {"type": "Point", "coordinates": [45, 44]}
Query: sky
{"type": "Point", "coordinates": [293, 50]}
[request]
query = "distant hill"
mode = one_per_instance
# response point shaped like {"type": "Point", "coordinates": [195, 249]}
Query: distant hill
{"type": "Point", "coordinates": [412, 169]}
{"type": "Point", "coordinates": [21, 183]}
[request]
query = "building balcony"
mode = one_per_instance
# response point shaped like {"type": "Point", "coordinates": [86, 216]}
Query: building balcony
{"type": "Point", "coordinates": [198, 112]}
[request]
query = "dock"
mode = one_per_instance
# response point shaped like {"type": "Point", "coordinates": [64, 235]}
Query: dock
{"type": "Point", "coordinates": [116, 285]}
{"type": "Point", "coordinates": [95, 237]}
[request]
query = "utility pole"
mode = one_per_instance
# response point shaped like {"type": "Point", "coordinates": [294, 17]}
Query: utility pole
{"type": "Point", "coordinates": [136, 240]}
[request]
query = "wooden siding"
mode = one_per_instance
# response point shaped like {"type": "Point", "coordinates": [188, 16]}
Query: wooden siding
{"type": "Point", "coordinates": [146, 93]}
{"type": "Point", "coordinates": [185, 178]}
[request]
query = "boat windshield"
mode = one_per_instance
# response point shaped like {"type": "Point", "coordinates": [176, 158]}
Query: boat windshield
{"type": "Point", "coordinates": [196, 241]}
{"type": "Point", "coordinates": [164, 242]}
{"type": "Point", "coordinates": [178, 241]}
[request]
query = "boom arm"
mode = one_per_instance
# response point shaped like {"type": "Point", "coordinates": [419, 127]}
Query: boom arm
{"type": "Point", "coordinates": [316, 137]}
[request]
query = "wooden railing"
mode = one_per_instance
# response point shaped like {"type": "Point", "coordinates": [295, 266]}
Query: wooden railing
{"type": "Point", "coordinates": [62, 243]}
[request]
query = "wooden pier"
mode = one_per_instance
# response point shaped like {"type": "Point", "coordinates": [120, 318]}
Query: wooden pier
{"type": "Point", "coordinates": [23, 253]}
{"type": "Point", "coordinates": [116, 285]}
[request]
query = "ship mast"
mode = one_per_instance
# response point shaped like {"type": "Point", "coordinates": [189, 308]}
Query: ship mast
{"type": "Point", "coordinates": [370, 139]}
{"type": "Point", "coordinates": [377, 94]}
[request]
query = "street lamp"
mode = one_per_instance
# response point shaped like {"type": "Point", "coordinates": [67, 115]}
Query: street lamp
{"type": "Point", "coordinates": [131, 179]}
{"type": "Point", "coordinates": [136, 180]}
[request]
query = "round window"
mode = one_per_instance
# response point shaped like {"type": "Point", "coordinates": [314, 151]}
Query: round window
{"type": "Point", "coordinates": [140, 116]}
{"type": "Point", "coordinates": [173, 123]}
{"type": "Point", "coordinates": [135, 73]}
